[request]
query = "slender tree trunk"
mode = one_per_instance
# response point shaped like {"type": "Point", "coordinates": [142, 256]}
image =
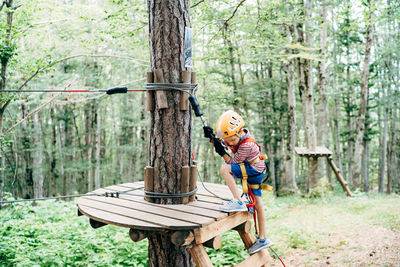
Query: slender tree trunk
{"type": "Point", "coordinates": [289, 161]}
{"type": "Point", "coordinates": [97, 178]}
{"type": "Point", "coordinates": [363, 103]}
{"type": "Point", "coordinates": [37, 172]}
{"type": "Point", "coordinates": [60, 141]}
{"type": "Point", "coordinates": [27, 184]}
{"type": "Point", "coordinates": [383, 143]}
{"type": "Point", "coordinates": [349, 102]}
{"type": "Point", "coordinates": [322, 118]}
{"type": "Point", "coordinates": [365, 167]}
{"type": "Point", "coordinates": [228, 43]}
{"type": "Point", "coordinates": [170, 129]}
{"type": "Point", "coordinates": [306, 89]}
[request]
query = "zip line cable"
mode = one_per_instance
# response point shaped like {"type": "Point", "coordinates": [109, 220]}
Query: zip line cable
{"type": "Point", "coordinates": [113, 194]}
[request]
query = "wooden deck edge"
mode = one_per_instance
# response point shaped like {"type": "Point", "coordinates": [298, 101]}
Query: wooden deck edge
{"type": "Point", "coordinates": [258, 259]}
{"type": "Point", "coordinates": [219, 227]}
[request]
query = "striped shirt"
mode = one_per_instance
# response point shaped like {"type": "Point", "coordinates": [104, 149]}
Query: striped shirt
{"type": "Point", "coordinates": [247, 152]}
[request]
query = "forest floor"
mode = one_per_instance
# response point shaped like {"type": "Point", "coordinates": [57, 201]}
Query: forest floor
{"type": "Point", "coordinates": [333, 230]}
{"type": "Point", "coordinates": [339, 231]}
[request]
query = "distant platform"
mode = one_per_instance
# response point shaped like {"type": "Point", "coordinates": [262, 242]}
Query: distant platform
{"type": "Point", "coordinates": [320, 151]}
{"type": "Point", "coordinates": [136, 213]}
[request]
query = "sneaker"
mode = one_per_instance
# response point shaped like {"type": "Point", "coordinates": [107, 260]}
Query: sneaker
{"type": "Point", "coordinates": [233, 205]}
{"type": "Point", "coordinates": [259, 245]}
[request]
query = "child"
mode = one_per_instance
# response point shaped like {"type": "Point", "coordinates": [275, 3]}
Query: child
{"type": "Point", "coordinates": [230, 129]}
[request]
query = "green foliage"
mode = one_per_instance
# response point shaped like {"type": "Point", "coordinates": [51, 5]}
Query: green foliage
{"type": "Point", "coordinates": [50, 234]}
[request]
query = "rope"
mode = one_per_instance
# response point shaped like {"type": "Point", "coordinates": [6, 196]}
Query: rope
{"type": "Point", "coordinates": [108, 194]}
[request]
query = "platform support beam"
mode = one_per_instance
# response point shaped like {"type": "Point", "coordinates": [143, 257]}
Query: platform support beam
{"type": "Point", "coordinates": [200, 256]}
{"type": "Point", "coordinates": [339, 176]}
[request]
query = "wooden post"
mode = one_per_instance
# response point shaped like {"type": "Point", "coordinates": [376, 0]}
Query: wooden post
{"type": "Point", "coordinates": [200, 256]}
{"type": "Point", "coordinates": [149, 94]}
{"type": "Point", "coordinates": [193, 180]}
{"type": "Point", "coordinates": [96, 224]}
{"type": "Point", "coordinates": [186, 78]}
{"type": "Point", "coordinates": [244, 227]}
{"type": "Point", "coordinates": [214, 243]}
{"type": "Point", "coordinates": [149, 181]}
{"type": "Point", "coordinates": [194, 78]}
{"type": "Point", "coordinates": [185, 183]}
{"type": "Point", "coordinates": [182, 238]}
{"type": "Point", "coordinates": [339, 176]}
{"type": "Point", "coordinates": [136, 235]}
{"type": "Point", "coordinates": [162, 100]}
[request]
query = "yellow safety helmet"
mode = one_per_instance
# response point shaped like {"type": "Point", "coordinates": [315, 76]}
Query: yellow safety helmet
{"type": "Point", "coordinates": [228, 124]}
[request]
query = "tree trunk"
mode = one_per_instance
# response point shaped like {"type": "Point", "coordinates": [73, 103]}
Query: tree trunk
{"type": "Point", "coordinates": [306, 89]}
{"type": "Point", "coordinates": [365, 167]}
{"type": "Point", "coordinates": [37, 172]}
{"type": "Point", "coordinates": [97, 178]}
{"type": "Point", "coordinates": [289, 160]}
{"type": "Point", "coordinates": [322, 118]}
{"type": "Point", "coordinates": [363, 102]}
{"type": "Point", "coordinates": [383, 142]}
{"type": "Point", "coordinates": [349, 102]}
{"type": "Point", "coordinates": [27, 184]}
{"type": "Point", "coordinates": [170, 128]}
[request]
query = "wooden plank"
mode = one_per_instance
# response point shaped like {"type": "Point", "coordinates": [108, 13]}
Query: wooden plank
{"type": "Point", "coordinates": [193, 208]}
{"type": "Point", "coordinates": [161, 96]}
{"type": "Point", "coordinates": [110, 206]}
{"type": "Point", "coordinates": [193, 180]}
{"type": "Point", "coordinates": [156, 210]}
{"type": "Point", "coordinates": [257, 259]}
{"type": "Point", "coordinates": [115, 219]}
{"type": "Point", "coordinates": [200, 256]}
{"type": "Point", "coordinates": [148, 181]}
{"type": "Point", "coordinates": [205, 205]}
{"type": "Point", "coordinates": [186, 78]}
{"type": "Point", "coordinates": [185, 183]}
{"type": "Point", "coordinates": [149, 94]}
{"type": "Point", "coordinates": [217, 228]}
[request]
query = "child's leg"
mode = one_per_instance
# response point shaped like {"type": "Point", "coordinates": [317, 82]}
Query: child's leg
{"type": "Point", "coordinates": [261, 217]}
{"type": "Point", "coordinates": [226, 173]}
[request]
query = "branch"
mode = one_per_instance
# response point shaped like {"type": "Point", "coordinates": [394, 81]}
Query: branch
{"type": "Point", "coordinates": [201, 1]}
{"type": "Point", "coordinates": [234, 12]}
{"type": "Point", "coordinates": [2, 5]}
{"type": "Point", "coordinates": [34, 111]}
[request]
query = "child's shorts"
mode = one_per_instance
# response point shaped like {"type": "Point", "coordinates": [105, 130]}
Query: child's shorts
{"type": "Point", "coordinates": [254, 176]}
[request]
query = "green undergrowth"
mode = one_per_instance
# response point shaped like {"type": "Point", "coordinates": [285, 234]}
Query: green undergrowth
{"type": "Point", "coordinates": [51, 233]}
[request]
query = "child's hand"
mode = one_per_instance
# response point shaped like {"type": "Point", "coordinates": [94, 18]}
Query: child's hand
{"type": "Point", "coordinates": [208, 132]}
{"type": "Point", "coordinates": [219, 148]}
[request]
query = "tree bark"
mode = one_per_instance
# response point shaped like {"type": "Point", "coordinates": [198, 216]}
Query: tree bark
{"type": "Point", "coordinates": [322, 118]}
{"type": "Point", "coordinates": [363, 102]}
{"type": "Point", "coordinates": [170, 128]}
{"type": "Point", "coordinates": [306, 89]}
{"type": "Point", "coordinates": [365, 167]}
{"type": "Point", "coordinates": [37, 171]}
{"type": "Point", "coordinates": [289, 160]}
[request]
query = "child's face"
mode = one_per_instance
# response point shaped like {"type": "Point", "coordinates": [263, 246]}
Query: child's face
{"type": "Point", "coordinates": [232, 140]}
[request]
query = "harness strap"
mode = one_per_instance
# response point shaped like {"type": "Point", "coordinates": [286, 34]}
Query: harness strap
{"type": "Point", "coordinates": [262, 186]}
{"type": "Point", "coordinates": [244, 178]}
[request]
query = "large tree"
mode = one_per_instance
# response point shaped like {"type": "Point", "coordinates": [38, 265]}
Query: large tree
{"type": "Point", "coordinates": [170, 128]}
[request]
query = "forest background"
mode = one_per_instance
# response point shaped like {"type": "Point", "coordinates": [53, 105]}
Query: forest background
{"type": "Point", "coordinates": [302, 73]}
{"type": "Point", "coordinates": [248, 56]}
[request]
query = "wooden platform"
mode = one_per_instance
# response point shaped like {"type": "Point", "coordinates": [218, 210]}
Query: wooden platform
{"type": "Point", "coordinates": [320, 151]}
{"type": "Point", "coordinates": [134, 212]}
{"type": "Point", "coordinates": [196, 224]}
